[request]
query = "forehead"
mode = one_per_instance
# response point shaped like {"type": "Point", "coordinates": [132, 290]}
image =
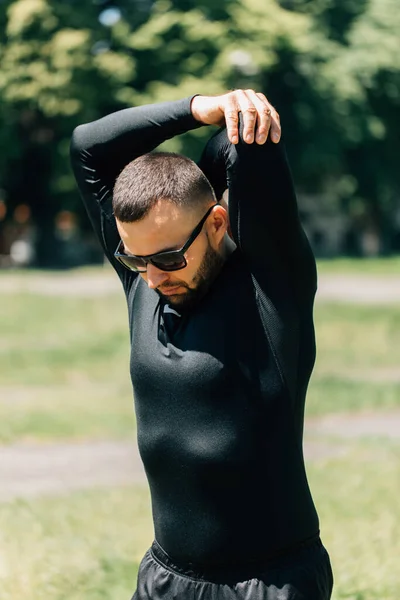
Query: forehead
{"type": "Point", "coordinates": [165, 227]}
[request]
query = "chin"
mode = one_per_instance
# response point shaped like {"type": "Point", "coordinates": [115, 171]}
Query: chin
{"type": "Point", "coordinates": [182, 301]}
{"type": "Point", "coordinates": [178, 300]}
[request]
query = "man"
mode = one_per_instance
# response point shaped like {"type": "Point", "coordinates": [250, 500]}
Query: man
{"type": "Point", "coordinates": [222, 344]}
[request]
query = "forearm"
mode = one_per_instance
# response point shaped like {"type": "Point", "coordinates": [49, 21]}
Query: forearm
{"type": "Point", "coordinates": [262, 205]}
{"type": "Point", "coordinates": [264, 215]}
{"type": "Point", "coordinates": [101, 149]}
{"type": "Point", "coordinates": [113, 141]}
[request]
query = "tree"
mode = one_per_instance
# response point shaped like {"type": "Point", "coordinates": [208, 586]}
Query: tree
{"type": "Point", "coordinates": [330, 68]}
{"type": "Point", "coordinates": [61, 66]}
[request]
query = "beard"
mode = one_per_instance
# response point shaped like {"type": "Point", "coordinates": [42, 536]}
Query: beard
{"type": "Point", "coordinates": [210, 266]}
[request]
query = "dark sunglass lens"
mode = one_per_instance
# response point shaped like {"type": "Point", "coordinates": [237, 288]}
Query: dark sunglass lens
{"type": "Point", "coordinates": [171, 262]}
{"type": "Point", "coordinates": [134, 264]}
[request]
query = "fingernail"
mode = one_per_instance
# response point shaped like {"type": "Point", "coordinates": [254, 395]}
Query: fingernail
{"type": "Point", "coordinates": [260, 139]}
{"type": "Point", "coordinates": [234, 139]}
{"type": "Point", "coordinates": [249, 137]}
{"type": "Point", "coordinates": [275, 137]}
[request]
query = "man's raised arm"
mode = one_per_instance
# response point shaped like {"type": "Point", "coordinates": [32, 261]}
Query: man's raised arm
{"type": "Point", "coordinates": [101, 149]}
{"type": "Point", "coordinates": [263, 210]}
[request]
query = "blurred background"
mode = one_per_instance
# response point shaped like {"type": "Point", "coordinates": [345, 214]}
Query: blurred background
{"type": "Point", "coordinates": [331, 67]}
{"type": "Point", "coordinates": [74, 508]}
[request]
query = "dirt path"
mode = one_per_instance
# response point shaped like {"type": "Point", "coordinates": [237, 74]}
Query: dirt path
{"type": "Point", "coordinates": [366, 289]}
{"type": "Point", "coordinates": [28, 471]}
{"type": "Point", "coordinates": [355, 425]}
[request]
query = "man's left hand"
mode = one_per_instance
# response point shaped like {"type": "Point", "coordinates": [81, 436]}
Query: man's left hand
{"type": "Point", "coordinates": [260, 117]}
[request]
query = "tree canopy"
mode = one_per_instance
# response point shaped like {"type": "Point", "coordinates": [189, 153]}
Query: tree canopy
{"type": "Point", "coordinates": [331, 68]}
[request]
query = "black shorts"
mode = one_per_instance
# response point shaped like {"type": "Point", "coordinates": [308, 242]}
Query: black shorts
{"type": "Point", "coordinates": [303, 574]}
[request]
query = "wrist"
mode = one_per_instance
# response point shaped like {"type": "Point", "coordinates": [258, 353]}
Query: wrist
{"type": "Point", "coordinates": [195, 107]}
{"type": "Point", "coordinates": [207, 110]}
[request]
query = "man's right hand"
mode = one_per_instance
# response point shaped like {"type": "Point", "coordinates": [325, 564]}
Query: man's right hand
{"type": "Point", "coordinates": [260, 117]}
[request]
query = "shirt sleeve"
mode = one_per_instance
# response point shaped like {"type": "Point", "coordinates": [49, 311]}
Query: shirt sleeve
{"type": "Point", "coordinates": [101, 149]}
{"type": "Point", "coordinates": [263, 210]}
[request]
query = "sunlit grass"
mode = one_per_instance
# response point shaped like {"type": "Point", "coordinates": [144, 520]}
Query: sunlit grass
{"type": "Point", "coordinates": [65, 375]}
{"type": "Point", "coordinates": [88, 545]}
{"type": "Point", "coordinates": [65, 365]}
{"type": "Point", "coordinates": [361, 266]}
{"type": "Point", "coordinates": [389, 265]}
{"type": "Point", "coordinates": [83, 546]}
{"type": "Point", "coordinates": [64, 368]}
{"type": "Point", "coordinates": [357, 499]}
{"type": "Point", "coordinates": [48, 340]}
{"type": "Point", "coordinates": [332, 395]}
{"type": "Point", "coordinates": [72, 412]}
{"type": "Point", "coordinates": [357, 336]}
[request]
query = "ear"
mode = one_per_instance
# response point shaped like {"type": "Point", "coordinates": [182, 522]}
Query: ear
{"type": "Point", "coordinates": [217, 225]}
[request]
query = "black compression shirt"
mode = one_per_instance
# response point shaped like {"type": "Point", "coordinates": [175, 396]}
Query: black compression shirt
{"type": "Point", "coordinates": [219, 396]}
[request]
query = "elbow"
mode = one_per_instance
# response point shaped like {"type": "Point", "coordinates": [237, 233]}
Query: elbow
{"type": "Point", "coordinates": [80, 141]}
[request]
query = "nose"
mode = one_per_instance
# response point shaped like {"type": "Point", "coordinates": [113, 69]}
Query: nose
{"type": "Point", "coordinates": [155, 277]}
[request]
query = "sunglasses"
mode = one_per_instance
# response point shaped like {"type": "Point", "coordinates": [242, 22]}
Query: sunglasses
{"type": "Point", "coordinates": [171, 260]}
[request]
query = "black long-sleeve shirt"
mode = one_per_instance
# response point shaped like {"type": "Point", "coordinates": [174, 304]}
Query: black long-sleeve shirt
{"type": "Point", "coordinates": [219, 400]}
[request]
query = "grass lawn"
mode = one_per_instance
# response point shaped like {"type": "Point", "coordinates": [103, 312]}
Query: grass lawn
{"type": "Point", "coordinates": [361, 266]}
{"type": "Point", "coordinates": [88, 545]}
{"type": "Point", "coordinates": [65, 365]}
{"type": "Point", "coordinates": [357, 499]}
{"type": "Point", "coordinates": [358, 359]}
{"type": "Point", "coordinates": [65, 375]}
{"type": "Point", "coordinates": [368, 266]}
{"type": "Point", "coordinates": [84, 546]}
{"type": "Point", "coordinates": [64, 368]}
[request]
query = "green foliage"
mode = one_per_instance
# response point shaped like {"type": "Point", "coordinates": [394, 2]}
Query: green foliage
{"type": "Point", "coordinates": [330, 67]}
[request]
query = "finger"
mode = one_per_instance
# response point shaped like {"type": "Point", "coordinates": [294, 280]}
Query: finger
{"type": "Point", "coordinates": [249, 113]}
{"type": "Point", "coordinates": [232, 119]}
{"type": "Point", "coordinates": [275, 125]}
{"type": "Point", "coordinates": [264, 117]}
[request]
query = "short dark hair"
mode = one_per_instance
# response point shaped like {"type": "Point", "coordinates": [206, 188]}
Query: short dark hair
{"type": "Point", "coordinates": [159, 175]}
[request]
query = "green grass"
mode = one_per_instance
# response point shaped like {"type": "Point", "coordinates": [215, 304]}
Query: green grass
{"type": "Point", "coordinates": [88, 270]}
{"type": "Point", "coordinates": [358, 359]}
{"type": "Point", "coordinates": [65, 365]}
{"type": "Point", "coordinates": [357, 337]}
{"type": "Point", "coordinates": [56, 340]}
{"type": "Point", "coordinates": [333, 395]}
{"type": "Point", "coordinates": [357, 499]}
{"type": "Point", "coordinates": [88, 545]}
{"type": "Point", "coordinates": [360, 266]}
{"type": "Point", "coordinates": [65, 375]}
{"type": "Point", "coordinates": [374, 266]}
{"type": "Point", "coordinates": [65, 368]}
{"type": "Point", "coordinates": [73, 412]}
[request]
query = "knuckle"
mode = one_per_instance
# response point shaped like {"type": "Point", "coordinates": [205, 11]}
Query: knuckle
{"type": "Point", "coordinates": [232, 115]}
